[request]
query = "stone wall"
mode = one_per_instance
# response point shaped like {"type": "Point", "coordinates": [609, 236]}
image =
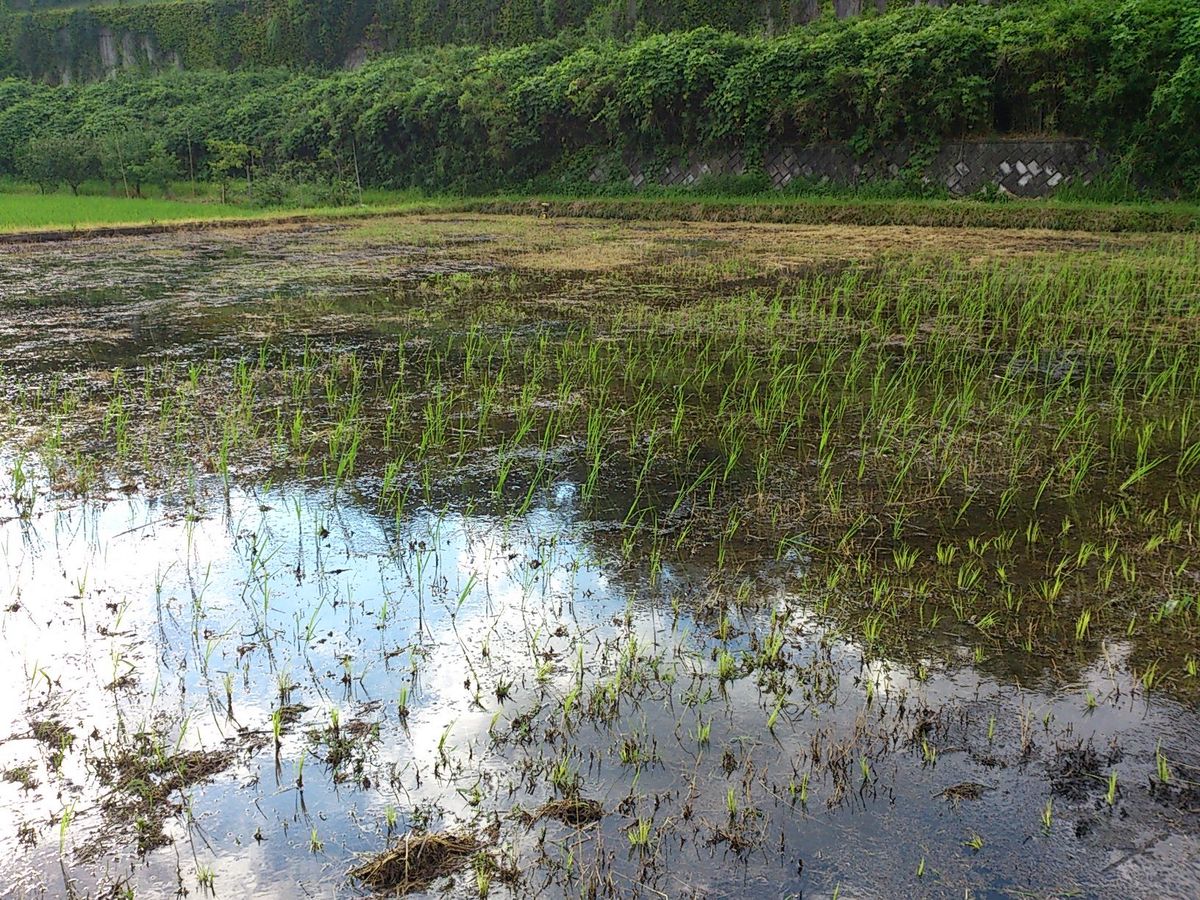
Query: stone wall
{"type": "Point", "coordinates": [1021, 167]}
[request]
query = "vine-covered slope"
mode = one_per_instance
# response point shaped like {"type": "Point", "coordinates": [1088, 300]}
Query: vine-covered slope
{"type": "Point", "coordinates": [1125, 76]}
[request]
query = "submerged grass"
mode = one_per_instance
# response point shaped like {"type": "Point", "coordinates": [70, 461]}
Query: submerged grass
{"type": "Point", "coordinates": [1036, 419]}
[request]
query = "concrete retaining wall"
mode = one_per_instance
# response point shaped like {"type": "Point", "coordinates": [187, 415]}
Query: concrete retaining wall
{"type": "Point", "coordinates": [1021, 167]}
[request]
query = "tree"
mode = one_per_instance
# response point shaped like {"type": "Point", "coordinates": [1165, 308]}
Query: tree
{"type": "Point", "coordinates": [35, 162]}
{"type": "Point", "coordinates": [135, 157]}
{"type": "Point", "coordinates": [51, 159]}
{"type": "Point", "coordinates": [227, 158]}
{"type": "Point", "coordinates": [76, 160]}
{"type": "Point", "coordinates": [156, 166]}
{"type": "Point", "coordinates": [114, 156]}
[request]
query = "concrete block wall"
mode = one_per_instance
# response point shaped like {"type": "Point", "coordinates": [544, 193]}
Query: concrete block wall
{"type": "Point", "coordinates": [1020, 167]}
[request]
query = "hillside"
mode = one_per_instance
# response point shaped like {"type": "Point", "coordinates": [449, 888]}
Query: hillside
{"type": "Point", "coordinates": [574, 111]}
{"type": "Point", "coordinates": [1021, 97]}
{"type": "Point", "coordinates": [75, 41]}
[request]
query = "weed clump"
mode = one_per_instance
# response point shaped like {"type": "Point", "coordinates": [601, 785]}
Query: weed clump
{"type": "Point", "coordinates": [53, 733]}
{"type": "Point", "coordinates": [416, 862]}
{"type": "Point", "coordinates": [574, 811]}
{"type": "Point", "coordinates": [148, 781]}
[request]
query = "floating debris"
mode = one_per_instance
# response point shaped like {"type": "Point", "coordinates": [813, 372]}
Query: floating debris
{"type": "Point", "coordinates": [968, 790]}
{"type": "Point", "coordinates": [416, 862]}
{"type": "Point", "coordinates": [574, 811]}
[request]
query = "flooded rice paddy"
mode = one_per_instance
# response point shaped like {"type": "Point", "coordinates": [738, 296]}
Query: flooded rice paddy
{"type": "Point", "coordinates": [486, 556]}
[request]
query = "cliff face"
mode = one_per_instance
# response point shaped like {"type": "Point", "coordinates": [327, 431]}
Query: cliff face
{"type": "Point", "coordinates": [72, 60]}
{"type": "Point", "coordinates": [54, 41]}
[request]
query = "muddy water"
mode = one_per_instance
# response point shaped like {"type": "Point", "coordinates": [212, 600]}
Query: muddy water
{"type": "Point", "coordinates": [244, 689]}
{"type": "Point", "coordinates": [108, 301]}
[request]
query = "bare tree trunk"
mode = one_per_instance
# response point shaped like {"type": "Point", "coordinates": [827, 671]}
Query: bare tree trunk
{"type": "Point", "coordinates": [357, 178]}
{"type": "Point", "coordinates": [191, 164]}
{"type": "Point", "coordinates": [121, 163]}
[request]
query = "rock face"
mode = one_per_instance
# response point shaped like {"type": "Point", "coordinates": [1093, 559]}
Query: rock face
{"type": "Point", "coordinates": [113, 51]}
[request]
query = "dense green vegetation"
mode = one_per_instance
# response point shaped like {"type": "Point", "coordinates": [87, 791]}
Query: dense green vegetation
{"type": "Point", "coordinates": [65, 34]}
{"type": "Point", "coordinates": [1126, 76]}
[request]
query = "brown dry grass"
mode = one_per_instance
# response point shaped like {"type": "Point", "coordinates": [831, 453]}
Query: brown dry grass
{"type": "Point", "coordinates": [590, 245]}
{"type": "Point", "coordinates": [416, 862]}
{"type": "Point", "coordinates": [573, 811]}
